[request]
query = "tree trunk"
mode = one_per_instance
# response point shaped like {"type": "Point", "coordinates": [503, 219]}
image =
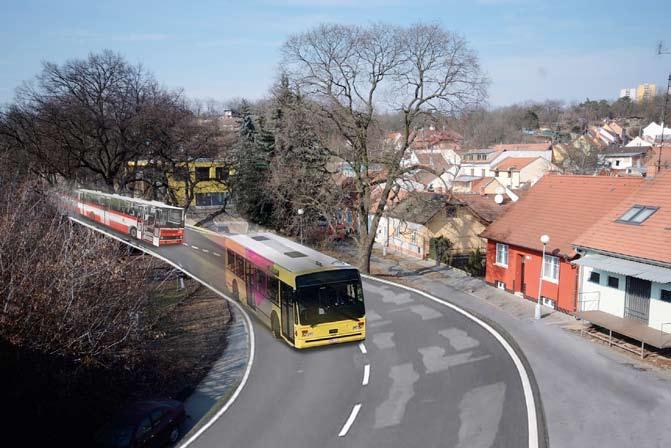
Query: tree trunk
{"type": "Point", "coordinates": [365, 252]}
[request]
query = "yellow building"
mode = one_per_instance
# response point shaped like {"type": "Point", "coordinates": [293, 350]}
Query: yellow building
{"type": "Point", "coordinates": [208, 179]}
{"type": "Point", "coordinates": [645, 92]}
{"type": "Point", "coordinates": [204, 180]}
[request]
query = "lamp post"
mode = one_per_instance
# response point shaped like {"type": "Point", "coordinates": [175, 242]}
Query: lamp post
{"type": "Point", "coordinates": [545, 240]}
{"type": "Point", "coordinates": [300, 223]}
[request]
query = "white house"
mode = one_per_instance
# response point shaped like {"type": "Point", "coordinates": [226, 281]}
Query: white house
{"type": "Point", "coordinates": [625, 266]}
{"type": "Point", "coordinates": [653, 132]}
{"type": "Point", "coordinates": [638, 142]}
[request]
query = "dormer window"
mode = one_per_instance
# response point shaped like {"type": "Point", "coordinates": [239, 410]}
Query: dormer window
{"type": "Point", "coordinates": [637, 214]}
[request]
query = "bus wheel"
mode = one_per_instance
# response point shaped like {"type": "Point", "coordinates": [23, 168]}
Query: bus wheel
{"type": "Point", "coordinates": [275, 326]}
{"type": "Point", "coordinates": [133, 232]}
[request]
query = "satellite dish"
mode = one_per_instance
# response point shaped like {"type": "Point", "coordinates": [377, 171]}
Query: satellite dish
{"type": "Point", "coordinates": [498, 199]}
{"type": "Point", "coordinates": [500, 190]}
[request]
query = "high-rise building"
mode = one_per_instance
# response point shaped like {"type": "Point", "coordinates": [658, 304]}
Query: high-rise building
{"type": "Point", "coordinates": [631, 93]}
{"type": "Point", "coordinates": [645, 92]}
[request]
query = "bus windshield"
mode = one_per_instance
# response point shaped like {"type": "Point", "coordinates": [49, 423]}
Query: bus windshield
{"type": "Point", "coordinates": [329, 296]}
{"type": "Point", "coordinates": [169, 217]}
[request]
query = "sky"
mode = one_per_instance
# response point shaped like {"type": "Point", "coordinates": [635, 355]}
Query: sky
{"type": "Point", "coordinates": [531, 49]}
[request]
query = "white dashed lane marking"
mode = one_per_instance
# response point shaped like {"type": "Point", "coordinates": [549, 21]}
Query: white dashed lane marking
{"type": "Point", "coordinates": [362, 347]}
{"type": "Point", "coordinates": [194, 247]}
{"type": "Point", "coordinates": [366, 375]}
{"type": "Point", "coordinates": [217, 254]}
{"type": "Point", "coordinates": [206, 251]}
{"type": "Point", "coordinates": [350, 420]}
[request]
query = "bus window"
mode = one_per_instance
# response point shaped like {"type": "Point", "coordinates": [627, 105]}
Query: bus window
{"type": "Point", "coordinates": [230, 260]}
{"type": "Point", "coordinates": [239, 266]}
{"type": "Point", "coordinates": [273, 289]}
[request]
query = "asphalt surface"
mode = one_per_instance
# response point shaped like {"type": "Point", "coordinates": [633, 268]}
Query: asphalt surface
{"type": "Point", "coordinates": [434, 378]}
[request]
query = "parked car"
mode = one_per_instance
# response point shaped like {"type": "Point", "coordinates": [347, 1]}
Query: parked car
{"type": "Point", "coordinates": [154, 423]}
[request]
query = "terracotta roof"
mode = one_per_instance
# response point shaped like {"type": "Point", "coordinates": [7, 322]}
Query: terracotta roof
{"type": "Point", "coordinates": [561, 207]}
{"type": "Point", "coordinates": [524, 147]}
{"type": "Point", "coordinates": [433, 160]}
{"type": "Point", "coordinates": [482, 205]}
{"type": "Point", "coordinates": [650, 240]}
{"type": "Point", "coordinates": [430, 137]}
{"type": "Point", "coordinates": [479, 185]}
{"type": "Point", "coordinates": [515, 163]}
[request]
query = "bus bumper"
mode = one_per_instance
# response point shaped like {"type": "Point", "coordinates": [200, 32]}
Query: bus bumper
{"type": "Point", "coordinates": [307, 343]}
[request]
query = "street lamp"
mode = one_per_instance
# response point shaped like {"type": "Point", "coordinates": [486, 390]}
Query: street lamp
{"type": "Point", "coordinates": [545, 239]}
{"type": "Point", "coordinates": [300, 223]}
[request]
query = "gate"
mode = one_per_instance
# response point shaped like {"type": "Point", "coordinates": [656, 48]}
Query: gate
{"type": "Point", "coordinates": [637, 299]}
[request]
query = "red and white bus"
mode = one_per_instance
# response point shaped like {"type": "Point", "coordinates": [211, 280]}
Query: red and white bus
{"type": "Point", "coordinates": [150, 221]}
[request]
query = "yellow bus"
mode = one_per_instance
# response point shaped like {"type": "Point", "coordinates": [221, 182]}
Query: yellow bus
{"type": "Point", "coordinates": [308, 299]}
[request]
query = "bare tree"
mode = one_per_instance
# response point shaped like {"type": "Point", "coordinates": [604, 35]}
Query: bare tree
{"type": "Point", "coordinates": [352, 73]}
{"type": "Point", "coordinates": [64, 290]}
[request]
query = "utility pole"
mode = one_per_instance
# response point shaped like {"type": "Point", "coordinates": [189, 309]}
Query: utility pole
{"type": "Point", "coordinates": [660, 51]}
{"type": "Point", "coordinates": [661, 143]}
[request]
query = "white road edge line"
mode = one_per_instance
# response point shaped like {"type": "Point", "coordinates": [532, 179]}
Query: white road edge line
{"type": "Point", "coordinates": [362, 347]}
{"type": "Point", "coordinates": [248, 324]}
{"type": "Point", "coordinates": [529, 399]}
{"type": "Point", "coordinates": [366, 375]}
{"type": "Point", "coordinates": [350, 420]}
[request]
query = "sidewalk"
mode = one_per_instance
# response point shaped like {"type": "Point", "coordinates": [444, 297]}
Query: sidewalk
{"type": "Point", "coordinates": [593, 395]}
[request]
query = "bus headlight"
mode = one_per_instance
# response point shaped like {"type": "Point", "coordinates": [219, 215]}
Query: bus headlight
{"type": "Point", "coordinates": [306, 333]}
{"type": "Point", "coordinates": [358, 326]}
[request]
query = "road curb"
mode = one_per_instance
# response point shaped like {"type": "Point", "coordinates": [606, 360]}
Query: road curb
{"type": "Point", "coordinates": [542, 438]}
{"type": "Point", "coordinates": [230, 398]}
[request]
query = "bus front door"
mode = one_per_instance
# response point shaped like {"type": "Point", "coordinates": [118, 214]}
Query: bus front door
{"type": "Point", "coordinates": [288, 317]}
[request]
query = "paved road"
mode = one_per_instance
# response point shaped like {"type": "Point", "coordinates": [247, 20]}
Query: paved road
{"type": "Point", "coordinates": [425, 376]}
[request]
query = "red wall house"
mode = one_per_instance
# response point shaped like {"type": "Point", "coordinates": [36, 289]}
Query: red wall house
{"type": "Point", "coordinates": [561, 207]}
{"type": "Point", "coordinates": [522, 276]}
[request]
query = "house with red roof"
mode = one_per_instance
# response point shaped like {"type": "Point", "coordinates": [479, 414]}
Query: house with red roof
{"type": "Point", "coordinates": [625, 265]}
{"type": "Point", "coordinates": [562, 207]}
{"type": "Point", "coordinates": [517, 172]}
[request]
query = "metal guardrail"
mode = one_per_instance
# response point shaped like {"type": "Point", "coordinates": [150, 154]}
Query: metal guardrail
{"type": "Point", "coordinates": [661, 330]}
{"type": "Point", "coordinates": [597, 300]}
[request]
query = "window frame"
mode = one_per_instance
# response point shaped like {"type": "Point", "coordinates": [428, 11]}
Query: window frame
{"type": "Point", "coordinates": [201, 169]}
{"type": "Point", "coordinates": [502, 248]}
{"type": "Point", "coordinates": [552, 258]}
{"type": "Point", "coordinates": [642, 209]}
{"type": "Point", "coordinates": [591, 278]}
{"type": "Point", "coordinates": [662, 294]}
{"type": "Point", "coordinates": [617, 282]}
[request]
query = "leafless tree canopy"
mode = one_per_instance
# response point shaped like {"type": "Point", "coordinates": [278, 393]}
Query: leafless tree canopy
{"type": "Point", "coordinates": [65, 291]}
{"type": "Point", "coordinates": [87, 121]}
{"type": "Point", "coordinates": [354, 73]}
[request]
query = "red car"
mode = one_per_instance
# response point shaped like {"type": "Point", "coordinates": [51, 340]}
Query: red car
{"type": "Point", "coordinates": [144, 424]}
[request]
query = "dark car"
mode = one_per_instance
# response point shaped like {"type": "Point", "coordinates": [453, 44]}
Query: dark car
{"type": "Point", "coordinates": [153, 423]}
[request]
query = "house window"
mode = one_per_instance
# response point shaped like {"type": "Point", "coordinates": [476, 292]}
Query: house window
{"type": "Point", "coordinates": [551, 268]}
{"type": "Point", "coordinates": [617, 163]}
{"type": "Point", "coordinates": [637, 214]}
{"type": "Point", "coordinates": [221, 173]}
{"type": "Point", "coordinates": [502, 254]}
{"type": "Point", "coordinates": [548, 302]}
{"type": "Point", "coordinates": [413, 237]}
{"type": "Point", "coordinates": [210, 199]}
{"type": "Point", "coordinates": [665, 295]}
{"type": "Point", "coordinates": [397, 230]}
{"type": "Point", "coordinates": [594, 277]}
{"type": "Point", "coordinates": [614, 282]}
{"type": "Point", "coordinates": [202, 173]}
{"type": "Point", "coordinates": [348, 216]}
